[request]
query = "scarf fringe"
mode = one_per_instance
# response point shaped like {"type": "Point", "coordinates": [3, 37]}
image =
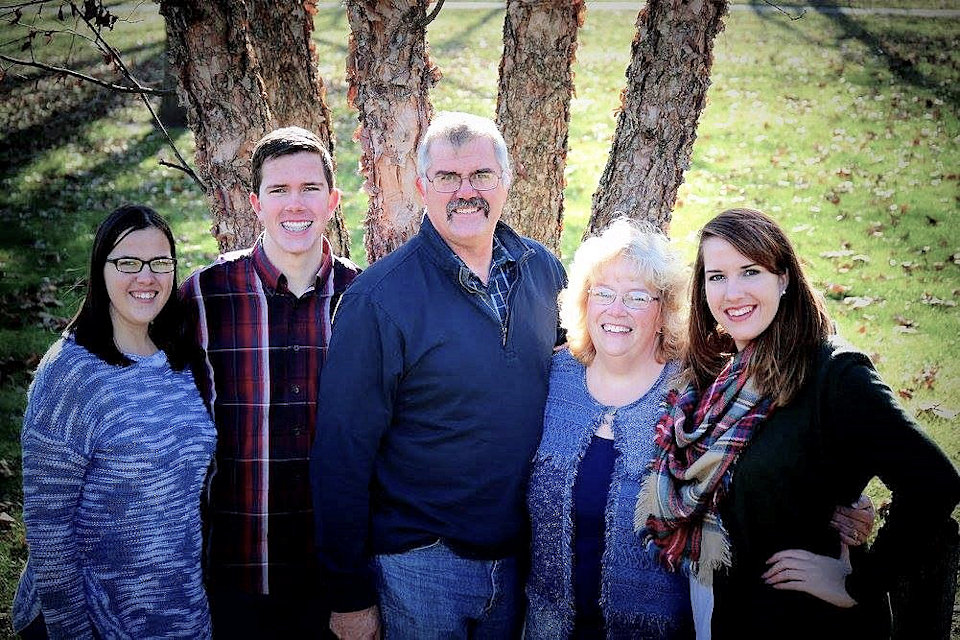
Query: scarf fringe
{"type": "Point", "coordinates": [646, 504]}
{"type": "Point", "coordinates": [714, 554]}
{"type": "Point", "coordinates": [679, 500]}
{"type": "Point", "coordinates": [715, 551]}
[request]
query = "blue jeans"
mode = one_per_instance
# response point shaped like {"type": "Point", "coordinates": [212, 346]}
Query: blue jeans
{"type": "Point", "coordinates": [431, 593]}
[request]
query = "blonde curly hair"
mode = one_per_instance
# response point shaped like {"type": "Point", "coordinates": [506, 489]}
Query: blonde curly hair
{"type": "Point", "coordinates": [656, 262]}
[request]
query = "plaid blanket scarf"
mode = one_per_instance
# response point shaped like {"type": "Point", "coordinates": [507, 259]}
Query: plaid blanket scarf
{"type": "Point", "coordinates": [698, 440]}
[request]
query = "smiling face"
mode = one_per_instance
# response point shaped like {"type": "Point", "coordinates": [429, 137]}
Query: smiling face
{"type": "Point", "coordinates": [743, 296]}
{"type": "Point", "coordinates": [294, 204]}
{"type": "Point", "coordinates": [616, 330]}
{"type": "Point", "coordinates": [137, 298]}
{"type": "Point", "coordinates": [466, 218]}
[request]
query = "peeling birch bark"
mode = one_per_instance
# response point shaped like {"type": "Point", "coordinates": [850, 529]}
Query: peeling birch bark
{"type": "Point", "coordinates": [666, 91]}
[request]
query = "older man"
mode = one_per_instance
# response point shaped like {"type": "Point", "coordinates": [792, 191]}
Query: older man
{"type": "Point", "coordinates": [441, 352]}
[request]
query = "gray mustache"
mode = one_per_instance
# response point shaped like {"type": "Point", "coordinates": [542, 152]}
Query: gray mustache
{"type": "Point", "coordinates": [477, 201]}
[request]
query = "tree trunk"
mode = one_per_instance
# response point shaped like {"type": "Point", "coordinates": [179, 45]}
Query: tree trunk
{"type": "Point", "coordinates": [172, 113]}
{"type": "Point", "coordinates": [389, 74]}
{"type": "Point", "coordinates": [280, 34]}
{"type": "Point", "coordinates": [221, 85]}
{"type": "Point", "coordinates": [533, 110]}
{"type": "Point", "coordinates": [243, 70]}
{"type": "Point", "coordinates": [666, 90]}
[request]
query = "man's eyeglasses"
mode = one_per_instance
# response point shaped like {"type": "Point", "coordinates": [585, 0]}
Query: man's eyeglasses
{"type": "Point", "coordinates": [450, 182]}
{"type": "Point", "coordinates": [135, 265]}
{"type": "Point", "coordinates": [638, 300]}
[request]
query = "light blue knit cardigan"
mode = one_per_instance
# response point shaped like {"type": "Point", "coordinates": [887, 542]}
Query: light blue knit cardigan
{"type": "Point", "coordinates": [639, 598]}
{"type": "Point", "coordinates": [114, 460]}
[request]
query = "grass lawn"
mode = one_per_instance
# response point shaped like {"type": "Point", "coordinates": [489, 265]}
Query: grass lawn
{"type": "Point", "coordinates": [845, 128]}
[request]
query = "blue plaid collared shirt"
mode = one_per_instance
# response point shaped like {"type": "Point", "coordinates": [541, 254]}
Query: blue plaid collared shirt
{"type": "Point", "coordinates": [503, 273]}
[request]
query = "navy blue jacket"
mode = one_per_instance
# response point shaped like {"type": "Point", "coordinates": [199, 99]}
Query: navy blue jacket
{"type": "Point", "coordinates": [429, 412]}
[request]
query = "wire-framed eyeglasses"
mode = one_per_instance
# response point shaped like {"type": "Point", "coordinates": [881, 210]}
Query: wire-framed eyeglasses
{"type": "Point", "coordinates": [637, 300]}
{"type": "Point", "coordinates": [159, 264]}
{"type": "Point", "coordinates": [447, 182]}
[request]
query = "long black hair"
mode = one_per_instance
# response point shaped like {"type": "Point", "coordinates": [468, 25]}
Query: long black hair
{"type": "Point", "coordinates": [92, 327]}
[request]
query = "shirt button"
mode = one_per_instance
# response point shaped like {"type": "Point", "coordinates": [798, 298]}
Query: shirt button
{"type": "Point", "coordinates": [296, 347]}
{"type": "Point", "coordinates": [296, 389]}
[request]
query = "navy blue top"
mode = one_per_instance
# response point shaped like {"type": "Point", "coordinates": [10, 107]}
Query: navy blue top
{"type": "Point", "coordinates": [589, 505]}
{"type": "Point", "coordinates": [432, 412]}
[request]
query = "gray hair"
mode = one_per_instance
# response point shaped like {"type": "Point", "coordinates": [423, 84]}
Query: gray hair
{"type": "Point", "coordinates": [458, 129]}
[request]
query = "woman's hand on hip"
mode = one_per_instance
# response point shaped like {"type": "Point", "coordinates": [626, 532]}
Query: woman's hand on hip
{"type": "Point", "coordinates": [821, 576]}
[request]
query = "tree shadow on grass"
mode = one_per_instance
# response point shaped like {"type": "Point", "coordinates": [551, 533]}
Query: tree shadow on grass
{"type": "Point", "coordinates": [897, 52]}
{"type": "Point", "coordinates": [47, 113]}
{"type": "Point", "coordinates": [48, 229]}
{"type": "Point", "coordinates": [90, 65]}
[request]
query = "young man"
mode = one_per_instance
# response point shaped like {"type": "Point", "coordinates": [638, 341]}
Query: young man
{"type": "Point", "coordinates": [262, 324]}
{"type": "Point", "coordinates": [442, 352]}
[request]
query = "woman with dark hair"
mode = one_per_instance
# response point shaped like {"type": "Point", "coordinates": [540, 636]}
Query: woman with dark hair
{"type": "Point", "coordinates": [116, 446]}
{"type": "Point", "coordinates": [780, 421]}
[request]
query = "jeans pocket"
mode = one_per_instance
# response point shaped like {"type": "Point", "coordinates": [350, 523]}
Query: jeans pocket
{"type": "Point", "coordinates": [429, 545]}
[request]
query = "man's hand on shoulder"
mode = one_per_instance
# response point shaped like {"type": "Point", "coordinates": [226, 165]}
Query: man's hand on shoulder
{"type": "Point", "coordinates": [356, 625]}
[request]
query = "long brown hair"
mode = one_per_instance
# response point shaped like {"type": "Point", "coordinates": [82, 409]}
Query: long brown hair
{"type": "Point", "coordinates": [786, 350]}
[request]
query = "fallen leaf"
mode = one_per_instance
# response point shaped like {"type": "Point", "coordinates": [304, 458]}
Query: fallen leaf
{"type": "Point", "coordinates": [837, 291]}
{"type": "Point", "coordinates": [6, 520]}
{"type": "Point", "coordinates": [906, 394]}
{"type": "Point", "coordinates": [843, 253]}
{"type": "Point", "coordinates": [938, 410]}
{"type": "Point", "coordinates": [858, 302]}
{"type": "Point", "coordinates": [934, 301]}
{"type": "Point", "coordinates": [903, 321]}
{"type": "Point", "coordinates": [928, 377]}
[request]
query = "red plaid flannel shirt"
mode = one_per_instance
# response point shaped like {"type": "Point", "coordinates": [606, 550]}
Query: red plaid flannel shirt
{"type": "Point", "coordinates": [261, 350]}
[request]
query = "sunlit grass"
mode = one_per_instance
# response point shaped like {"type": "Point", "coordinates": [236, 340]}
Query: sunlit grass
{"type": "Point", "coordinates": [844, 128]}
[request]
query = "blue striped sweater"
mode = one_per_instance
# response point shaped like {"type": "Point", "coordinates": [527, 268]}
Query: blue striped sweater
{"type": "Point", "coordinates": [114, 460]}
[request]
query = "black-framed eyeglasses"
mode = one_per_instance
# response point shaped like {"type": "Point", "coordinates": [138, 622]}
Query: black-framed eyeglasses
{"type": "Point", "coordinates": [159, 264]}
{"type": "Point", "coordinates": [637, 300]}
{"type": "Point", "coordinates": [446, 182]}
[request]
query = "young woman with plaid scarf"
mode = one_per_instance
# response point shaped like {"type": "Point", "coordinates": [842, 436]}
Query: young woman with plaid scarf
{"type": "Point", "coordinates": [779, 422]}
